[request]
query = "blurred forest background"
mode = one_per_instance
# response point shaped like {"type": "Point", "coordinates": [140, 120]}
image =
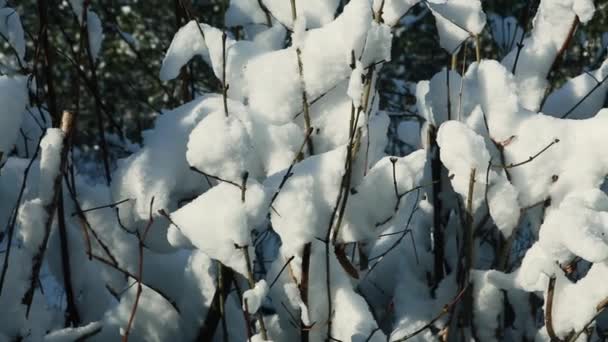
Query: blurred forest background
{"type": "Point", "coordinates": [118, 95]}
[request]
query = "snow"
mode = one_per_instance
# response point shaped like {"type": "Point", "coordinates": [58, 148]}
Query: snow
{"type": "Point", "coordinates": [351, 316]}
{"type": "Point", "coordinates": [456, 21]}
{"type": "Point", "coordinates": [155, 320]}
{"type": "Point", "coordinates": [32, 218]}
{"type": "Point", "coordinates": [197, 292]}
{"type": "Point", "coordinates": [13, 321]}
{"type": "Point", "coordinates": [584, 9]}
{"type": "Point", "coordinates": [462, 150]}
{"type": "Point", "coordinates": [71, 334]}
{"type": "Point", "coordinates": [50, 163]}
{"type": "Point", "coordinates": [34, 125]}
{"type": "Point", "coordinates": [293, 296]}
{"type": "Point", "coordinates": [195, 39]}
{"type": "Point", "coordinates": [506, 31]}
{"type": "Point", "coordinates": [393, 10]}
{"type": "Point", "coordinates": [220, 146]}
{"type": "Point", "coordinates": [10, 27]}
{"type": "Point", "coordinates": [316, 12]}
{"type": "Point", "coordinates": [187, 43]}
{"type": "Point", "coordinates": [160, 168]}
{"type": "Point", "coordinates": [255, 297]}
{"type": "Point", "coordinates": [487, 119]}
{"type": "Point", "coordinates": [378, 44]}
{"type": "Point", "coordinates": [274, 90]}
{"type": "Point", "coordinates": [355, 85]}
{"type": "Point", "coordinates": [274, 85]}
{"type": "Point", "coordinates": [303, 207]}
{"type": "Point", "coordinates": [504, 205]}
{"type": "Point", "coordinates": [13, 96]}
{"type": "Point", "coordinates": [552, 23]}
{"type": "Point", "coordinates": [561, 101]}
{"type": "Point", "coordinates": [575, 304]}
{"type": "Point", "coordinates": [487, 307]}
{"type": "Point", "coordinates": [244, 12]}
{"type": "Point", "coordinates": [95, 31]}
{"type": "Point", "coordinates": [378, 186]}
{"type": "Point", "coordinates": [409, 132]}
{"type": "Point", "coordinates": [577, 228]}
{"type": "Point", "coordinates": [221, 233]}
{"type": "Point", "coordinates": [496, 92]}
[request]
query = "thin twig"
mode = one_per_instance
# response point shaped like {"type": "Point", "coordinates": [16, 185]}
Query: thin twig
{"type": "Point", "coordinates": [531, 158]}
{"type": "Point", "coordinates": [111, 205]}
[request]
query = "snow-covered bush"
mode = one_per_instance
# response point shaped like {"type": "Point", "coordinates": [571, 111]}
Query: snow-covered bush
{"type": "Point", "coordinates": [271, 212]}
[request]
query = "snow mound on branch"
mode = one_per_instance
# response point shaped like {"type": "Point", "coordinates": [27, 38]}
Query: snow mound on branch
{"type": "Point", "coordinates": [274, 83]}
{"type": "Point", "coordinates": [160, 169]}
{"type": "Point", "coordinates": [315, 12]}
{"type": "Point", "coordinates": [393, 10]}
{"type": "Point", "coordinates": [12, 30]}
{"type": "Point", "coordinates": [304, 205]}
{"type": "Point", "coordinates": [378, 186]}
{"type": "Point", "coordinates": [552, 24]}
{"type": "Point", "coordinates": [255, 297]}
{"type": "Point", "coordinates": [195, 39]}
{"type": "Point", "coordinates": [220, 146]}
{"type": "Point", "coordinates": [155, 320]}
{"type": "Point", "coordinates": [463, 150]}
{"type": "Point", "coordinates": [219, 222]}
{"type": "Point", "coordinates": [73, 334]}
{"type": "Point", "coordinates": [244, 12]}
{"type": "Point", "coordinates": [581, 97]}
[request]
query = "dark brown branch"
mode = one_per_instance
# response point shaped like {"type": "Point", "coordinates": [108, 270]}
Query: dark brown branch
{"type": "Point", "coordinates": [303, 287]}
{"type": "Point", "coordinates": [276, 278]}
{"type": "Point", "coordinates": [305, 103]}
{"type": "Point", "coordinates": [224, 83]}
{"type": "Point", "coordinates": [438, 236]}
{"type": "Point", "coordinates": [72, 315]}
{"type": "Point", "coordinates": [549, 310]}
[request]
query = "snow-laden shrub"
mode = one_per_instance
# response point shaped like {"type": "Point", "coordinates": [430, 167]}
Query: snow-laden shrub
{"type": "Point", "coordinates": [270, 211]}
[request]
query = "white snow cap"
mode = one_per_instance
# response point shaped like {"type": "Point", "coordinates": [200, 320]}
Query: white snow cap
{"type": "Point", "coordinates": [457, 20]}
{"type": "Point", "coordinates": [462, 150]}
{"type": "Point", "coordinates": [219, 222]}
{"type": "Point", "coordinates": [316, 12]}
{"type": "Point", "coordinates": [220, 146]}
{"type": "Point", "coordinates": [255, 297]}
{"type": "Point", "coordinates": [553, 21]}
{"type": "Point", "coordinates": [50, 160]}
